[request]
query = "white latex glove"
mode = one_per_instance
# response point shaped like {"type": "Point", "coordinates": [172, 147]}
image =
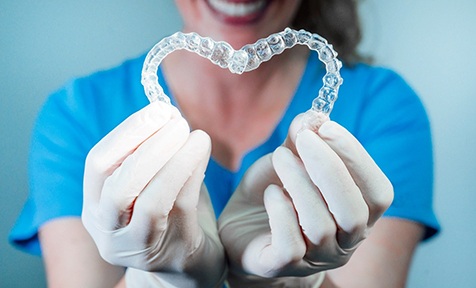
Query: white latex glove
{"type": "Point", "coordinates": [298, 214]}
{"type": "Point", "coordinates": [145, 204]}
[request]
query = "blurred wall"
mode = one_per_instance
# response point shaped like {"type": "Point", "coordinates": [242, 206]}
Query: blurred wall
{"type": "Point", "coordinates": [44, 43]}
{"type": "Point", "coordinates": [431, 43]}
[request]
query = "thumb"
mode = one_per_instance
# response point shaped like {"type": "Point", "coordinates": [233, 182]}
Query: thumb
{"type": "Point", "coordinates": [259, 176]}
{"type": "Point", "coordinates": [310, 119]}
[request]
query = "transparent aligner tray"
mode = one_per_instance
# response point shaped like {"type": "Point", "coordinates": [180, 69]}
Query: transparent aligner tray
{"type": "Point", "coordinates": [248, 58]}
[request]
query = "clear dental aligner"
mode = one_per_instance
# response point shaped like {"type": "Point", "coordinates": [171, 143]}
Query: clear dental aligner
{"type": "Point", "coordinates": [248, 58]}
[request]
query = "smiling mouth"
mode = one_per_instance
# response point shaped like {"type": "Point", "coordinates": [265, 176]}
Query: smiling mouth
{"type": "Point", "coordinates": [238, 12]}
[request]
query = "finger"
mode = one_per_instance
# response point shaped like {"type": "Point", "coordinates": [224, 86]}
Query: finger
{"type": "Point", "coordinates": [128, 180]}
{"type": "Point", "coordinates": [187, 201]}
{"type": "Point", "coordinates": [257, 178]}
{"type": "Point", "coordinates": [341, 194]}
{"type": "Point", "coordinates": [295, 126]}
{"type": "Point", "coordinates": [287, 244]}
{"type": "Point", "coordinates": [109, 153]}
{"type": "Point", "coordinates": [195, 153]}
{"type": "Point", "coordinates": [316, 222]}
{"type": "Point", "coordinates": [374, 185]}
{"type": "Point", "coordinates": [311, 120]}
{"type": "Point", "coordinates": [182, 174]}
{"type": "Point", "coordinates": [248, 194]}
{"type": "Point", "coordinates": [206, 215]}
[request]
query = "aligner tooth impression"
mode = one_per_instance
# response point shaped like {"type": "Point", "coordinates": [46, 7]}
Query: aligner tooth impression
{"type": "Point", "coordinates": [248, 58]}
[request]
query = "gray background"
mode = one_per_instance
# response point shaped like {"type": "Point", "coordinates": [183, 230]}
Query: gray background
{"type": "Point", "coordinates": [45, 43]}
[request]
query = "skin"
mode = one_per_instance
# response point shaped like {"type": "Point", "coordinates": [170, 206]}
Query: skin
{"type": "Point", "coordinates": [71, 257]}
{"type": "Point", "coordinates": [239, 107]}
{"type": "Point", "coordinates": [384, 257]}
{"type": "Point", "coordinates": [233, 111]}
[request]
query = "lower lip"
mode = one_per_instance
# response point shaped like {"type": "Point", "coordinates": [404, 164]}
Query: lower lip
{"type": "Point", "coordinates": [239, 20]}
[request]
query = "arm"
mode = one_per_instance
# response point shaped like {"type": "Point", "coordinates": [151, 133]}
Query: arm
{"type": "Point", "coordinates": [71, 257]}
{"type": "Point", "coordinates": [384, 257]}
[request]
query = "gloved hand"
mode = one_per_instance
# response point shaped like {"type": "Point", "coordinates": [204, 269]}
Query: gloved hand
{"type": "Point", "coordinates": [145, 204]}
{"type": "Point", "coordinates": [298, 214]}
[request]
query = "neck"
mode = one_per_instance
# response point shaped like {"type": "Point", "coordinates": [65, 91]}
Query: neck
{"type": "Point", "coordinates": [237, 111]}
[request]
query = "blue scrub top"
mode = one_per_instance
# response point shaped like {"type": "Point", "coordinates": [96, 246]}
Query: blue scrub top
{"type": "Point", "coordinates": [375, 104]}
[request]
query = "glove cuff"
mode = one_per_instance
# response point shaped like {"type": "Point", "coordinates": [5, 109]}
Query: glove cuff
{"type": "Point", "coordinates": [136, 278]}
{"type": "Point", "coordinates": [315, 280]}
{"type": "Point", "coordinates": [311, 281]}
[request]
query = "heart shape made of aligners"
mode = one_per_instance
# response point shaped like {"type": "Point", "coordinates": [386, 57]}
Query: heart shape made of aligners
{"type": "Point", "coordinates": [248, 58]}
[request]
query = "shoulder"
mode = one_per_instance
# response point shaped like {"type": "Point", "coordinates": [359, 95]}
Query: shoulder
{"type": "Point", "coordinates": [365, 89]}
{"type": "Point", "coordinates": [70, 122]}
{"type": "Point", "coordinates": [372, 96]}
{"type": "Point", "coordinates": [369, 72]}
{"type": "Point", "coordinates": [374, 81]}
{"type": "Point", "coordinates": [107, 85]}
{"type": "Point", "coordinates": [97, 102]}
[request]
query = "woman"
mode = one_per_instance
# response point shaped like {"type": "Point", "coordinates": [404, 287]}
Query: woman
{"type": "Point", "coordinates": [298, 212]}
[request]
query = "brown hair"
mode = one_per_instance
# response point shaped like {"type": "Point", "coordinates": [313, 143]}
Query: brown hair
{"type": "Point", "coordinates": [335, 20]}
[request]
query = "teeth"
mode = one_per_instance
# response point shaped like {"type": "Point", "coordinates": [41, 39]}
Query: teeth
{"type": "Point", "coordinates": [237, 9]}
